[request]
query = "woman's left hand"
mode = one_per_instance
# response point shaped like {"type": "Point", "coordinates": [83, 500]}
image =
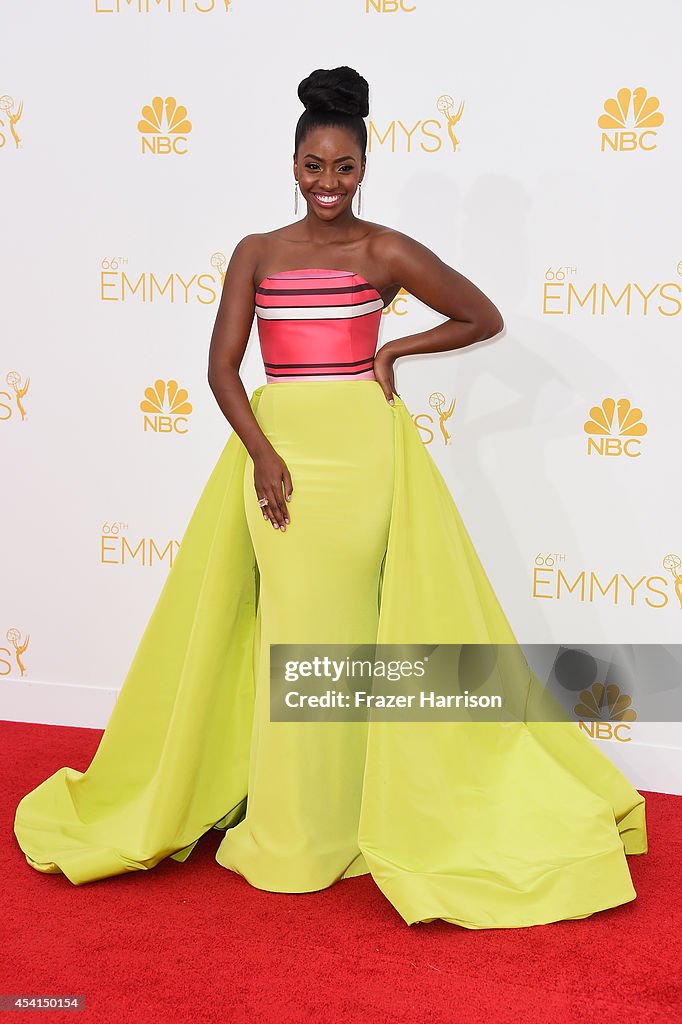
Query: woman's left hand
{"type": "Point", "coordinates": [383, 371]}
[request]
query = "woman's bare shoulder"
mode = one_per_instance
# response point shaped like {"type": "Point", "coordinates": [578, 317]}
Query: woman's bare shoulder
{"type": "Point", "coordinates": [259, 240]}
{"type": "Point", "coordinates": [252, 249]}
{"type": "Point", "coordinates": [386, 241]}
{"type": "Point", "coordinates": [386, 245]}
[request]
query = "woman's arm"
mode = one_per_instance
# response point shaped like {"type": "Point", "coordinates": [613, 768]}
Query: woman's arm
{"type": "Point", "coordinates": [228, 344]}
{"type": "Point", "coordinates": [472, 316]}
{"type": "Point", "coordinates": [226, 351]}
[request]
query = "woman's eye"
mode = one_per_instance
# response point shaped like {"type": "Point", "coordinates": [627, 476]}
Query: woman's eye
{"type": "Point", "coordinates": [316, 167]}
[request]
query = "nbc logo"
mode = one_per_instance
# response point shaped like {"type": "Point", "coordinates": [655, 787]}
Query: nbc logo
{"type": "Point", "coordinates": [166, 408]}
{"type": "Point", "coordinates": [614, 428]}
{"type": "Point", "coordinates": [600, 707]}
{"type": "Point", "coordinates": [389, 6]}
{"type": "Point", "coordinates": [164, 127]}
{"type": "Point", "coordinates": [629, 120]}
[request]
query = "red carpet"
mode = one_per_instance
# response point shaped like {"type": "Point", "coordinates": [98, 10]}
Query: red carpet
{"type": "Point", "coordinates": [193, 942]}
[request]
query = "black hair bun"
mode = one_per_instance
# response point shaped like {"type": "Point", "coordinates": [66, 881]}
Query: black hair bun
{"type": "Point", "coordinates": [340, 90]}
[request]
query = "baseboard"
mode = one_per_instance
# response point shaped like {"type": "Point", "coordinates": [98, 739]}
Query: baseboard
{"type": "Point", "coordinates": [65, 704]}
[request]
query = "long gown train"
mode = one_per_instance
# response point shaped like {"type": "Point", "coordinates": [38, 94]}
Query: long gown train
{"type": "Point", "coordinates": [481, 824]}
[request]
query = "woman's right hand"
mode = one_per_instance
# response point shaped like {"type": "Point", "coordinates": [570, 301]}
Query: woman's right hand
{"type": "Point", "coordinates": [272, 480]}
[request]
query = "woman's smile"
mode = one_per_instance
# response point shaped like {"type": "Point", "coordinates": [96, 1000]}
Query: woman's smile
{"type": "Point", "coordinates": [327, 198]}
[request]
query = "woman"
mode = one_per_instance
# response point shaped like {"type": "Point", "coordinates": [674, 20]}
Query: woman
{"type": "Point", "coordinates": [325, 521]}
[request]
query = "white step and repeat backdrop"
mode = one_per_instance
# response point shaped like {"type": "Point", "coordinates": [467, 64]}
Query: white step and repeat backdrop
{"type": "Point", "coordinates": [536, 149]}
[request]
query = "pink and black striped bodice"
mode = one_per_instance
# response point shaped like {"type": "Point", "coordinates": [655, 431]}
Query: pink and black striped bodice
{"type": "Point", "coordinates": [318, 325]}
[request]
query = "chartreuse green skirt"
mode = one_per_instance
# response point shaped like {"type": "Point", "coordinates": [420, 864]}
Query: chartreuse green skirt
{"type": "Point", "coordinates": [482, 824]}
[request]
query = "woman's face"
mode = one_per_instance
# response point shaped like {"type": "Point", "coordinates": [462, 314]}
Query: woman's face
{"type": "Point", "coordinates": [329, 166]}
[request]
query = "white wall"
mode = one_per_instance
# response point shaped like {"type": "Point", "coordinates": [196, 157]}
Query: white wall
{"type": "Point", "coordinates": [534, 205]}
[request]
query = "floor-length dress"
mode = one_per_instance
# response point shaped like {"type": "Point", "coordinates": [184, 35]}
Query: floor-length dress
{"type": "Point", "coordinates": [482, 824]}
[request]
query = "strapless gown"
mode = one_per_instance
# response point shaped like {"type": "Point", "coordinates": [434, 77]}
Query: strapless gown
{"type": "Point", "coordinates": [481, 824]}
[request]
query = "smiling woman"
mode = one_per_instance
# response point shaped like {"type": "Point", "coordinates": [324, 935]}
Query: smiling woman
{"type": "Point", "coordinates": [326, 521]}
{"type": "Point", "coordinates": [329, 181]}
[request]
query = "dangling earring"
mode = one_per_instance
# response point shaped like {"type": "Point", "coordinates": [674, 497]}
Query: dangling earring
{"type": "Point", "coordinates": [359, 197]}
{"type": "Point", "coordinates": [295, 197]}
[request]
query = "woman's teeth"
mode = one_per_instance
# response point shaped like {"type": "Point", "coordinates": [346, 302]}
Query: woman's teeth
{"type": "Point", "coordinates": [327, 200]}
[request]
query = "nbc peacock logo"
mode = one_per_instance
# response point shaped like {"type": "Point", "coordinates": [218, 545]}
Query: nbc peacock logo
{"type": "Point", "coordinates": [605, 703]}
{"type": "Point", "coordinates": [615, 428]}
{"type": "Point", "coordinates": [604, 711]}
{"type": "Point", "coordinates": [166, 408]}
{"type": "Point", "coordinates": [9, 119]}
{"type": "Point", "coordinates": [164, 127]}
{"type": "Point", "coordinates": [629, 120]}
{"type": "Point", "coordinates": [389, 6]}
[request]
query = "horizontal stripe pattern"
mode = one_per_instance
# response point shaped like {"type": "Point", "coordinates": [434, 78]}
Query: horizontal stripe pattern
{"type": "Point", "coordinates": [298, 312]}
{"type": "Point", "coordinates": [318, 325]}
